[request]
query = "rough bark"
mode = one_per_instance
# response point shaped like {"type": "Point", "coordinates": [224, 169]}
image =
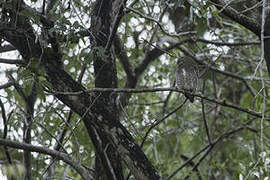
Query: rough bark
{"type": "Point", "coordinates": [107, 157]}
{"type": "Point", "coordinates": [267, 41]}
{"type": "Point", "coordinates": [100, 122]}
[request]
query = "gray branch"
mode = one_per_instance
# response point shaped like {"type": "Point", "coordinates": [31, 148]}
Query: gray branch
{"type": "Point", "coordinates": [44, 150]}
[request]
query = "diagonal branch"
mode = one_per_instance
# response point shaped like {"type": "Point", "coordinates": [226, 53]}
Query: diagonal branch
{"type": "Point", "coordinates": [123, 57]}
{"type": "Point", "coordinates": [155, 53]}
{"type": "Point", "coordinates": [253, 25]}
{"type": "Point", "coordinates": [6, 48]}
{"type": "Point", "coordinates": [44, 150]}
{"type": "Point", "coordinates": [245, 21]}
{"type": "Point", "coordinates": [208, 147]}
{"type": "Point", "coordinates": [6, 85]}
{"type": "Point", "coordinates": [158, 121]}
{"type": "Point", "coordinates": [131, 80]}
{"type": "Point", "coordinates": [61, 135]}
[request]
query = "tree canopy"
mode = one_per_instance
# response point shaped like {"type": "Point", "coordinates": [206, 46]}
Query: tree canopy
{"type": "Point", "coordinates": [87, 89]}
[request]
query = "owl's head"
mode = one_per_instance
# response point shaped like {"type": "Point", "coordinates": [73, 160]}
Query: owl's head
{"type": "Point", "coordinates": [186, 61]}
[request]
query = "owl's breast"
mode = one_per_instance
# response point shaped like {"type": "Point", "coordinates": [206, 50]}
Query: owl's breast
{"type": "Point", "coordinates": [186, 80]}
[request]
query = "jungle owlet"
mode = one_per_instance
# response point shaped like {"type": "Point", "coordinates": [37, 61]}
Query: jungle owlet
{"type": "Point", "coordinates": [186, 76]}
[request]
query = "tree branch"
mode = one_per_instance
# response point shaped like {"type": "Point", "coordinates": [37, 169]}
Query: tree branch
{"type": "Point", "coordinates": [191, 163]}
{"type": "Point", "coordinates": [123, 58]}
{"type": "Point", "coordinates": [204, 117]}
{"type": "Point", "coordinates": [116, 22]}
{"type": "Point", "coordinates": [6, 48]}
{"type": "Point", "coordinates": [6, 85]}
{"type": "Point", "coordinates": [155, 53]}
{"type": "Point", "coordinates": [245, 21]}
{"type": "Point", "coordinates": [5, 121]}
{"type": "Point", "coordinates": [219, 43]}
{"type": "Point", "coordinates": [97, 117]}
{"type": "Point", "coordinates": [119, 90]}
{"type": "Point", "coordinates": [43, 150]}
{"type": "Point", "coordinates": [12, 61]}
{"type": "Point", "coordinates": [158, 121]}
{"type": "Point", "coordinates": [208, 147]}
{"type": "Point", "coordinates": [158, 23]}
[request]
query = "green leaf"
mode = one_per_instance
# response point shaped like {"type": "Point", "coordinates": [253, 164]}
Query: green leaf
{"type": "Point", "coordinates": [40, 91]}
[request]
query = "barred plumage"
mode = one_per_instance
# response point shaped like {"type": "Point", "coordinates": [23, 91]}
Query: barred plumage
{"type": "Point", "coordinates": [186, 76]}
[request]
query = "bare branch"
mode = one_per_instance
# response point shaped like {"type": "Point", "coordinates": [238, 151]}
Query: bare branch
{"type": "Point", "coordinates": [187, 162]}
{"type": "Point", "coordinates": [158, 121]}
{"type": "Point", "coordinates": [218, 43]}
{"type": "Point", "coordinates": [156, 28]}
{"type": "Point", "coordinates": [119, 90]}
{"type": "Point", "coordinates": [7, 85]}
{"type": "Point", "coordinates": [191, 163]}
{"type": "Point", "coordinates": [6, 48]}
{"type": "Point", "coordinates": [131, 79]}
{"type": "Point", "coordinates": [4, 117]}
{"type": "Point", "coordinates": [44, 150]}
{"type": "Point", "coordinates": [122, 56]}
{"type": "Point", "coordinates": [204, 118]}
{"type": "Point", "coordinates": [18, 88]}
{"type": "Point", "coordinates": [12, 61]}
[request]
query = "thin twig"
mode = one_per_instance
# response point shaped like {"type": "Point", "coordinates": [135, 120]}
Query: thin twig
{"type": "Point", "coordinates": [158, 23]}
{"type": "Point", "coordinates": [156, 28]}
{"type": "Point", "coordinates": [208, 147]}
{"type": "Point", "coordinates": [55, 138]}
{"type": "Point", "coordinates": [204, 118]}
{"type": "Point", "coordinates": [158, 121]}
{"type": "Point", "coordinates": [191, 163]}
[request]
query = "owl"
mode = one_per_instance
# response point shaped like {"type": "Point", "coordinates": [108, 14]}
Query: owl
{"type": "Point", "coordinates": [186, 76]}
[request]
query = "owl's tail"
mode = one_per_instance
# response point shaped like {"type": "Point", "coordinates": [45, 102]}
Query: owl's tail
{"type": "Point", "coordinates": [189, 97]}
